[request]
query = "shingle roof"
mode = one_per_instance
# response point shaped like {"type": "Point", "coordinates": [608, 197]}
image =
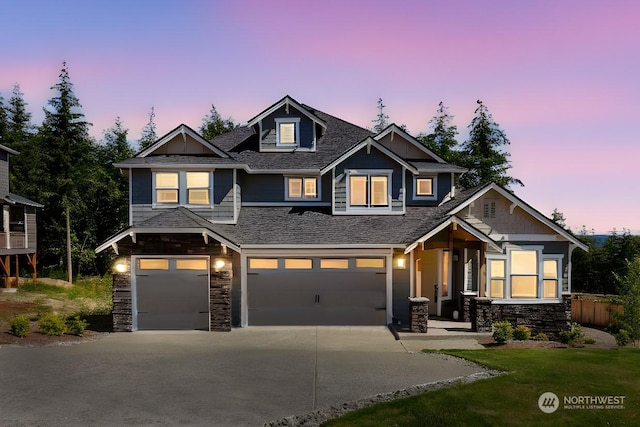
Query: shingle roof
{"type": "Point", "coordinates": [242, 144]}
{"type": "Point", "coordinates": [309, 226]}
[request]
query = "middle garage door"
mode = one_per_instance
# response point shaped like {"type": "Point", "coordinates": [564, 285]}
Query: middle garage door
{"type": "Point", "coordinates": [316, 291]}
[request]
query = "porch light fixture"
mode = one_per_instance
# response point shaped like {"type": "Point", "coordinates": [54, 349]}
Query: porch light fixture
{"type": "Point", "coordinates": [219, 264]}
{"type": "Point", "coordinates": [401, 262]}
{"type": "Point", "coordinates": [120, 266]}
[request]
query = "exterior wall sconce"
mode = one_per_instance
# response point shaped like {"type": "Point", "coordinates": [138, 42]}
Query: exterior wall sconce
{"type": "Point", "coordinates": [401, 262]}
{"type": "Point", "coordinates": [121, 266]}
{"type": "Point", "coordinates": [218, 264]}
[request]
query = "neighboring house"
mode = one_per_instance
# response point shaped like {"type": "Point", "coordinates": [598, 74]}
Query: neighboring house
{"type": "Point", "coordinates": [18, 235]}
{"type": "Point", "coordinates": [300, 218]}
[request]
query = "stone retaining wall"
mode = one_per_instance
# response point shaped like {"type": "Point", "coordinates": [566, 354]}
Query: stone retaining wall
{"type": "Point", "coordinates": [548, 318]}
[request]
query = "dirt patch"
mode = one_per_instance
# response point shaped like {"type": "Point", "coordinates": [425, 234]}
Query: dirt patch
{"type": "Point", "coordinates": [16, 306]}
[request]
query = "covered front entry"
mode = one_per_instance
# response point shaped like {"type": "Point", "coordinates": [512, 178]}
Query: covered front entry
{"type": "Point", "coordinates": [171, 293]}
{"type": "Point", "coordinates": [316, 291]}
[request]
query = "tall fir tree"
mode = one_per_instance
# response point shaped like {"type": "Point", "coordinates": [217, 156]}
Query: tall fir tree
{"type": "Point", "coordinates": [4, 126]}
{"type": "Point", "coordinates": [482, 153]}
{"type": "Point", "coordinates": [148, 135]}
{"type": "Point", "coordinates": [19, 120]}
{"type": "Point", "coordinates": [213, 124]}
{"type": "Point", "coordinates": [442, 138]}
{"type": "Point", "coordinates": [382, 120]}
{"type": "Point", "coordinates": [60, 162]}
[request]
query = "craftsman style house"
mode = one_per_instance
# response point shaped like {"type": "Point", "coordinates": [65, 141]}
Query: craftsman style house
{"type": "Point", "coordinates": [18, 233]}
{"type": "Point", "coordinates": [300, 218]}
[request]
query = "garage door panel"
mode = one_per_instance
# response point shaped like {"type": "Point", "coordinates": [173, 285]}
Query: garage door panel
{"type": "Point", "coordinates": [172, 299]}
{"type": "Point", "coordinates": [316, 297]}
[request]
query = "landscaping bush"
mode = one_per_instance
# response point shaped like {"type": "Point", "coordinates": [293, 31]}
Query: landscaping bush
{"type": "Point", "coordinates": [541, 337]}
{"type": "Point", "coordinates": [502, 331]}
{"type": "Point", "coordinates": [19, 326]}
{"type": "Point", "coordinates": [521, 333]}
{"type": "Point", "coordinates": [574, 336]}
{"type": "Point", "coordinates": [622, 338]}
{"type": "Point", "coordinates": [51, 324]}
{"type": "Point", "coordinates": [76, 325]}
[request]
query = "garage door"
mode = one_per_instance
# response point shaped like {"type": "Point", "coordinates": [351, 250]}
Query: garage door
{"type": "Point", "coordinates": [172, 293]}
{"type": "Point", "coordinates": [316, 291]}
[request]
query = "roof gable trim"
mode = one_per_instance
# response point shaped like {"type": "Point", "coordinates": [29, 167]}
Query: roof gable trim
{"type": "Point", "coordinates": [368, 143]}
{"type": "Point", "coordinates": [286, 102]}
{"type": "Point", "coordinates": [183, 130]}
{"type": "Point", "coordinates": [395, 129]}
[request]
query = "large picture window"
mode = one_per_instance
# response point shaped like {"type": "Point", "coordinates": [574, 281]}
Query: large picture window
{"type": "Point", "coordinates": [369, 190]}
{"type": "Point", "coordinates": [524, 273]}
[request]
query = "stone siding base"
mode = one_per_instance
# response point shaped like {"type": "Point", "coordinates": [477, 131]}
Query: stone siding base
{"type": "Point", "coordinates": [547, 318]}
{"type": "Point", "coordinates": [419, 314]}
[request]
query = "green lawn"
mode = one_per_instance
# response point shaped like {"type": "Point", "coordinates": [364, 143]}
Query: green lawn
{"type": "Point", "coordinates": [512, 400]}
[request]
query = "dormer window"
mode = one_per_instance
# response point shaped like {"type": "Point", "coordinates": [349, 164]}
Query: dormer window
{"type": "Point", "coordinates": [302, 188]}
{"type": "Point", "coordinates": [287, 132]}
{"type": "Point", "coordinates": [424, 188]}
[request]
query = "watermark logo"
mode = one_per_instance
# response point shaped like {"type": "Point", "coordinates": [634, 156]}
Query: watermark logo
{"type": "Point", "coordinates": [548, 402]}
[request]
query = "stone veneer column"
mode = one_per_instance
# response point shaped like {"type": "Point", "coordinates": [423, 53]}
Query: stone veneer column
{"type": "Point", "coordinates": [419, 307]}
{"type": "Point", "coordinates": [220, 297]}
{"type": "Point", "coordinates": [122, 316]}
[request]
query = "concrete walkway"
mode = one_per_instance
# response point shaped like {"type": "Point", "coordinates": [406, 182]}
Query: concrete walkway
{"type": "Point", "coordinates": [246, 377]}
{"type": "Point", "coordinates": [444, 334]}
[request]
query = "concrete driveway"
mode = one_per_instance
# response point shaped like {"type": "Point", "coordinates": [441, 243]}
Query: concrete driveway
{"type": "Point", "coordinates": [246, 377]}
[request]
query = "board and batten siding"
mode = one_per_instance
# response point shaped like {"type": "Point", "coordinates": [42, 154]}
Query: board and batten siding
{"type": "Point", "coordinates": [4, 173]}
{"type": "Point", "coordinates": [261, 187]}
{"type": "Point", "coordinates": [142, 197]}
{"type": "Point", "coordinates": [363, 161]}
{"type": "Point", "coordinates": [443, 187]}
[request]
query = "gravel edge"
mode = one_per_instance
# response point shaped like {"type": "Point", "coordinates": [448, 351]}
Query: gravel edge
{"type": "Point", "coordinates": [319, 416]}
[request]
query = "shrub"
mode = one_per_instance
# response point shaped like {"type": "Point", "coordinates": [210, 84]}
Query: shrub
{"type": "Point", "coordinates": [541, 337]}
{"type": "Point", "coordinates": [574, 336]}
{"type": "Point", "coordinates": [622, 338]}
{"type": "Point", "coordinates": [51, 324]}
{"type": "Point", "coordinates": [589, 340]}
{"type": "Point", "coordinates": [521, 333]}
{"type": "Point", "coordinates": [502, 331]}
{"type": "Point", "coordinates": [19, 326]}
{"type": "Point", "coordinates": [76, 325]}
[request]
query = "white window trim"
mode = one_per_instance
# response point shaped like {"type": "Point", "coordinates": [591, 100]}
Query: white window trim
{"type": "Point", "coordinates": [183, 195]}
{"type": "Point", "coordinates": [287, 197]}
{"type": "Point", "coordinates": [284, 120]}
{"type": "Point", "coordinates": [507, 299]}
{"type": "Point", "coordinates": [434, 183]}
{"type": "Point", "coordinates": [369, 173]}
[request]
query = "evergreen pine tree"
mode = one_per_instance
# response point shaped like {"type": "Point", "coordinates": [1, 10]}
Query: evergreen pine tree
{"type": "Point", "coordinates": [381, 120]}
{"type": "Point", "coordinates": [61, 160]}
{"type": "Point", "coordinates": [213, 124]}
{"type": "Point", "coordinates": [18, 120]}
{"type": "Point", "coordinates": [442, 138]}
{"type": "Point", "coordinates": [148, 136]}
{"type": "Point", "coordinates": [3, 122]}
{"type": "Point", "coordinates": [482, 153]}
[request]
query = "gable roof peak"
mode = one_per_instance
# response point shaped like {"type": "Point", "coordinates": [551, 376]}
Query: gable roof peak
{"type": "Point", "coordinates": [398, 130]}
{"type": "Point", "coordinates": [287, 101]}
{"type": "Point", "coordinates": [184, 131]}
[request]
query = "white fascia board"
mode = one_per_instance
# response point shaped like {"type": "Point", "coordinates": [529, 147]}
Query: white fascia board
{"type": "Point", "coordinates": [165, 230]}
{"type": "Point", "coordinates": [525, 207]}
{"type": "Point", "coordinates": [290, 204]}
{"type": "Point", "coordinates": [462, 224]}
{"type": "Point", "coordinates": [371, 143]}
{"type": "Point", "coordinates": [182, 166]}
{"type": "Point", "coordinates": [396, 129]}
{"type": "Point", "coordinates": [298, 172]}
{"type": "Point", "coordinates": [286, 100]}
{"type": "Point", "coordinates": [331, 249]}
{"type": "Point", "coordinates": [300, 250]}
{"type": "Point", "coordinates": [184, 130]}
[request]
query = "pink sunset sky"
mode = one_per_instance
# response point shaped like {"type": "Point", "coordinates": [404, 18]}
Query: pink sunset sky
{"type": "Point", "coordinates": [561, 78]}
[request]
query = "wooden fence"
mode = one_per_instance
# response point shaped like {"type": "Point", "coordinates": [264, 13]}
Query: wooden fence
{"type": "Point", "coordinates": [587, 310]}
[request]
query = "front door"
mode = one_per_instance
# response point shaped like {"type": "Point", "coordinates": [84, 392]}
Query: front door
{"type": "Point", "coordinates": [434, 271]}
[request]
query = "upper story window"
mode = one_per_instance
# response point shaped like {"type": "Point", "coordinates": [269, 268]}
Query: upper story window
{"type": "Point", "coordinates": [166, 187]}
{"type": "Point", "coordinates": [183, 188]}
{"type": "Point", "coordinates": [424, 188]}
{"type": "Point", "coordinates": [302, 188]}
{"type": "Point", "coordinates": [524, 273]}
{"type": "Point", "coordinates": [369, 189]}
{"type": "Point", "coordinates": [288, 132]}
{"type": "Point", "coordinates": [198, 189]}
